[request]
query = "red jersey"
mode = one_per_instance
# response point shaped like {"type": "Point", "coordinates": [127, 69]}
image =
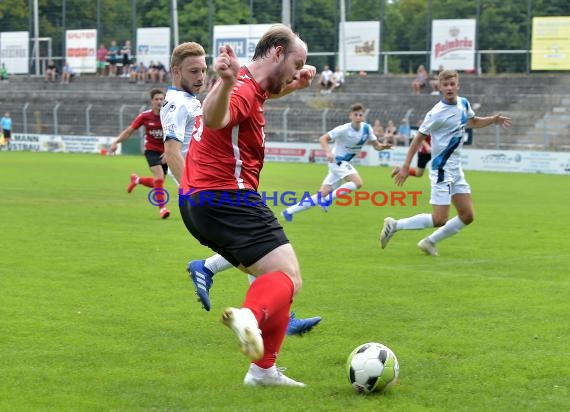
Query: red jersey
{"type": "Point", "coordinates": [153, 130]}
{"type": "Point", "coordinates": [422, 148]}
{"type": "Point", "coordinates": [230, 158]}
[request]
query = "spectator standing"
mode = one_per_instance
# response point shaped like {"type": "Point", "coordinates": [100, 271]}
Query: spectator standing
{"type": "Point", "coordinates": [420, 80]}
{"type": "Point", "coordinates": [101, 60]}
{"type": "Point", "coordinates": [6, 123]}
{"type": "Point", "coordinates": [126, 58]}
{"type": "Point", "coordinates": [113, 58]}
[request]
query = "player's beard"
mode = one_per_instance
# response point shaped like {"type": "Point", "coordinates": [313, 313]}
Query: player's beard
{"type": "Point", "coordinates": [276, 82]}
{"type": "Point", "coordinates": [188, 87]}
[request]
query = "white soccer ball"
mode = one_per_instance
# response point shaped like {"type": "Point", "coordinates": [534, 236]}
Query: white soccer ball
{"type": "Point", "coordinates": [372, 367]}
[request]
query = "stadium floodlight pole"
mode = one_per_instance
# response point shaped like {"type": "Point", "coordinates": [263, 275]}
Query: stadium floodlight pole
{"type": "Point", "coordinates": [134, 26]}
{"type": "Point", "coordinates": [528, 26]}
{"type": "Point", "coordinates": [174, 25]}
{"type": "Point", "coordinates": [477, 19]}
{"type": "Point", "coordinates": [341, 40]}
{"type": "Point", "coordinates": [428, 36]}
{"type": "Point", "coordinates": [37, 37]}
{"type": "Point", "coordinates": [286, 12]}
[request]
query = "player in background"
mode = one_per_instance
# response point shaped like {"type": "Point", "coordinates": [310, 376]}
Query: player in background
{"type": "Point", "coordinates": [348, 140]}
{"type": "Point", "coordinates": [446, 123]}
{"type": "Point", "coordinates": [424, 156]}
{"type": "Point", "coordinates": [153, 149]}
{"type": "Point", "coordinates": [181, 116]}
{"type": "Point", "coordinates": [181, 113]}
{"type": "Point", "coordinates": [6, 123]}
{"type": "Point", "coordinates": [226, 160]}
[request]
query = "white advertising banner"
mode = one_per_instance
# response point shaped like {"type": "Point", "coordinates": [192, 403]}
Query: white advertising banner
{"type": "Point", "coordinates": [153, 45]}
{"type": "Point", "coordinates": [80, 50]}
{"type": "Point", "coordinates": [60, 143]}
{"type": "Point", "coordinates": [472, 159]}
{"type": "Point", "coordinates": [361, 46]}
{"type": "Point", "coordinates": [453, 44]}
{"type": "Point", "coordinates": [14, 51]}
{"type": "Point", "coordinates": [241, 37]}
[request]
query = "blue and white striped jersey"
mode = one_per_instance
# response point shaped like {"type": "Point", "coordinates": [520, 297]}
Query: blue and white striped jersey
{"type": "Point", "coordinates": [348, 142]}
{"type": "Point", "coordinates": [446, 124]}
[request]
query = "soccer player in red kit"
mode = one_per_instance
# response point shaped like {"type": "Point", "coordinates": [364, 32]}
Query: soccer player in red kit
{"type": "Point", "coordinates": [153, 149]}
{"type": "Point", "coordinates": [224, 163]}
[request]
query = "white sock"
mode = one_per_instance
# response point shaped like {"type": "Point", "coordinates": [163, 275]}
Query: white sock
{"type": "Point", "coordinates": [451, 227]}
{"type": "Point", "coordinates": [217, 263]}
{"type": "Point", "coordinates": [304, 204]}
{"type": "Point", "coordinates": [421, 221]}
{"type": "Point", "coordinates": [250, 278]}
{"type": "Point", "coordinates": [172, 177]}
{"type": "Point", "coordinates": [345, 189]}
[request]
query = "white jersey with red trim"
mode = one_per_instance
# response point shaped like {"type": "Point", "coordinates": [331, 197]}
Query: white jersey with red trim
{"type": "Point", "coordinates": [181, 116]}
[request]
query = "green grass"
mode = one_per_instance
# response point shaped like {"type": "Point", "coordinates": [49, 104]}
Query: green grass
{"type": "Point", "coordinates": [97, 313]}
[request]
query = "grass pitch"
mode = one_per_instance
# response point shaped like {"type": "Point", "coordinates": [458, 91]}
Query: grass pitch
{"type": "Point", "coordinates": [97, 312]}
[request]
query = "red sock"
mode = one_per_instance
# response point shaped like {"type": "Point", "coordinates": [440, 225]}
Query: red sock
{"type": "Point", "coordinates": [146, 181]}
{"type": "Point", "coordinates": [159, 184]}
{"type": "Point", "coordinates": [412, 172]}
{"type": "Point", "coordinates": [273, 331]}
{"type": "Point", "coordinates": [269, 297]}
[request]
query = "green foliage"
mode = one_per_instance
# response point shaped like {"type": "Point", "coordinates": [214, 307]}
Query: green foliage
{"type": "Point", "coordinates": [14, 15]}
{"type": "Point", "coordinates": [406, 23]}
{"type": "Point", "coordinates": [97, 312]}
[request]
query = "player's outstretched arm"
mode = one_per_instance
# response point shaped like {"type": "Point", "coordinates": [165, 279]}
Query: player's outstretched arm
{"type": "Point", "coordinates": [215, 111]}
{"type": "Point", "coordinates": [478, 122]}
{"type": "Point", "coordinates": [125, 134]}
{"type": "Point", "coordinates": [381, 146]}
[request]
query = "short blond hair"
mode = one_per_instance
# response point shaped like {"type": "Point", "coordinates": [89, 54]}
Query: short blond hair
{"type": "Point", "coordinates": [184, 50]}
{"type": "Point", "coordinates": [448, 74]}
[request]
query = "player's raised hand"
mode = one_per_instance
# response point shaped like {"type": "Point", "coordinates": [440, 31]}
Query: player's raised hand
{"type": "Point", "coordinates": [303, 79]}
{"type": "Point", "coordinates": [306, 76]}
{"type": "Point", "coordinates": [226, 64]}
{"type": "Point", "coordinates": [504, 121]}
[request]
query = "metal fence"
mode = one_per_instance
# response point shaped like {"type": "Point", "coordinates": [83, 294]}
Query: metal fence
{"type": "Point", "coordinates": [283, 124]}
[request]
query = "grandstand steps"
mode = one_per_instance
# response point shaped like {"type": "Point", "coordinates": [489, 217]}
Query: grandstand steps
{"type": "Point", "coordinates": [111, 103]}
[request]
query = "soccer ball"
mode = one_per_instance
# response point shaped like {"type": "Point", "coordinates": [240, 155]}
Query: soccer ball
{"type": "Point", "coordinates": [372, 367]}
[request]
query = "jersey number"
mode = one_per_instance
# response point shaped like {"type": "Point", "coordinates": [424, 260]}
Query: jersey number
{"type": "Point", "coordinates": [197, 130]}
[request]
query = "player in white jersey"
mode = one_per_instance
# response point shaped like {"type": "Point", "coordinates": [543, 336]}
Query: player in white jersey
{"type": "Point", "coordinates": [181, 111]}
{"type": "Point", "coordinates": [348, 140]}
{"type": "Point", "coordinates": [181, 116]}
{"type": "Point", "coordinates": [446, 123]}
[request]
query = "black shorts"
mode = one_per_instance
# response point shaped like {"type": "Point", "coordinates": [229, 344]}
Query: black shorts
{"type": "Point", "coordinates": [241, 229]}
{"type": "Point", "coordinates": [6, 133]}
{"type": "Point", "coordinates": [153, 159]}
{"type": "Point", "coordinates": [423, 159]}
